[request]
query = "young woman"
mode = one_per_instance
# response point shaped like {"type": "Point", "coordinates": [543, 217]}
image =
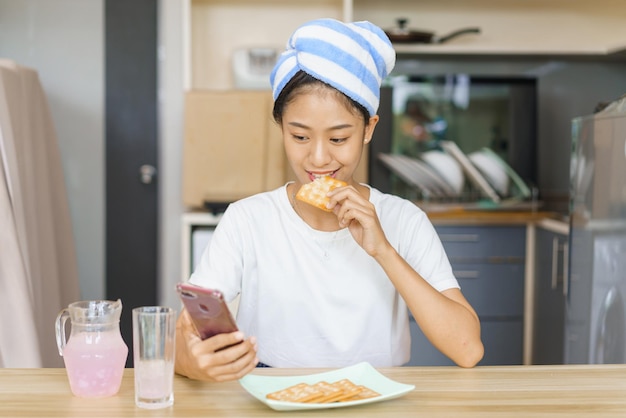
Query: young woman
{"type": "Point", "coordinates": [328, 288]}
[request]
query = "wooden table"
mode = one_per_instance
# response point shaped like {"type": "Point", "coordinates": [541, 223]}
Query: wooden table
{"type": "Point", "coordinates": [489, 391]}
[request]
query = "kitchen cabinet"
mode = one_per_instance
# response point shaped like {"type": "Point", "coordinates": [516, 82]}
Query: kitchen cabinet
{"type": "Point", "coordinates": [551, 264]}
{"type": "Point", "coordinates": [489, 263]}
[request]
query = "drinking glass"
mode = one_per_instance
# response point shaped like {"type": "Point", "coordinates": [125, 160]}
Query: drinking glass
{"type": "Point", "coordinates": [154, 332]}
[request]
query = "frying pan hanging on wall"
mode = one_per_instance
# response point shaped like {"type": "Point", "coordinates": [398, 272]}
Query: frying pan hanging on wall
{"type": "Point", "coordinates": [403, 34]}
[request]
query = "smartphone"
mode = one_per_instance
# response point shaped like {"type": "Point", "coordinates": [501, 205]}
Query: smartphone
{"type": "Point", "coordinates": [208, 310]}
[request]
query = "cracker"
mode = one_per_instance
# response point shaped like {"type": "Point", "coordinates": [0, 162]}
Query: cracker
{"type": "Point", "coordinates": [330, 392]}
{"type": "Point", "coordinates": [349, 389]}
{"type": "Point", "coordinates": [314, 193]}
{"type": "Point", "coordinates": [302, 392]}
{"type": "Point", "coordinates": [365, 393]}
{"type": "Point", "coordinates": [342, 390]}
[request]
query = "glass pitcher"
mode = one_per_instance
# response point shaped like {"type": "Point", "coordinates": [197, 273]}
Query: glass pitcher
{"type": "Point", "coordinates": [95, 353]}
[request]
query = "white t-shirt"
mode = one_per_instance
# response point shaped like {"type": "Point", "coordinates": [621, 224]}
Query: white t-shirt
{"type": "Point", "coordinates": [314, 298]}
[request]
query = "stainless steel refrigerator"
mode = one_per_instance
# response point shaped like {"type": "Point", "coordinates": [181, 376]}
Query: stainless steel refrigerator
{"type": "Point", "coordinates": [595, 325]}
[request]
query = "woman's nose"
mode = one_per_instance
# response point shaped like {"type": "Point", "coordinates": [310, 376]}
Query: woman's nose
{"type": "Point", "coordinates": [320, 155]}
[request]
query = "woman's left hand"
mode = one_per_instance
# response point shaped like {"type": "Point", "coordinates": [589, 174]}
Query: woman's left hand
{"type": "Point", "coordinates": [358, 214]}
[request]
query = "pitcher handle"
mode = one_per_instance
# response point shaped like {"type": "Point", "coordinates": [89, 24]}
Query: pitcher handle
{"type": "Point", "coordinates": [60, 330]}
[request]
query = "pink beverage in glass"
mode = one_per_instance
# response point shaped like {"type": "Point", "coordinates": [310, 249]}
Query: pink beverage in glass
{"type": "Point", "coordinates": [95, 363]}
{"type": "Point", "coordinates": [154, 333]}
{"type": "Point", "coordinates": [154, 382]}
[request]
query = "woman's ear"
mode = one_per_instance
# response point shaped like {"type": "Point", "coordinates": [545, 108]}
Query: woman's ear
{"type": "Point", "coordinates": [369, 129]}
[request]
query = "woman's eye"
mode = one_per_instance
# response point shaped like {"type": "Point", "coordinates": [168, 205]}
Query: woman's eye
{"type": "Point", "coordinates": [338, 140]}
{"type": "Point", "coordinates": [298, 137]}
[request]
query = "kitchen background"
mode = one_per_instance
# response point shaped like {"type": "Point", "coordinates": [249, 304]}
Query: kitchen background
{"type": "Point", "coordinates": [574, 48]}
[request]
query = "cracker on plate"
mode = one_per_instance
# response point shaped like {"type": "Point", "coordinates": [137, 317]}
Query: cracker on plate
{"type": "Point", "coordinates": [342, 390]}
{"type": "Point", "coordinates": [302, 392]}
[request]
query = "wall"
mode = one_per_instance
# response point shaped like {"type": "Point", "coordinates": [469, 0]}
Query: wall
{"type": "Point", "coordinates": [568, 90]}
{"type": "Point", "coordinates": [63, 41]}
{"type": "Point", "coordinates": [171, 105]}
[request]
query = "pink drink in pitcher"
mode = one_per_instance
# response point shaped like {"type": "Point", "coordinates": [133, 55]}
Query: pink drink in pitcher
{"type": "Point", "coordinates": [93, 363]}
{"type": "Point", "coordinates": [95, 353]}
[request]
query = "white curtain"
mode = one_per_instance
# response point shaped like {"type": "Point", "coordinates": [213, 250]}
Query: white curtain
{"type": "Point", "coordinates": [38, 268]}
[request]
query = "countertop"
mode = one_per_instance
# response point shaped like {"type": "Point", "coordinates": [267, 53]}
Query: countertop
{"type": "Point", "coordinates": [498, 391]}
{"type": "Point", "coordinates": [489, 217]}
{"type": "Point", "coordinates": [449, 216]}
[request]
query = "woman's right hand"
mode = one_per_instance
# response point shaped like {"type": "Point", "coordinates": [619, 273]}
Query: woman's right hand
{"type": "Point", "coordinates": [220, 358]}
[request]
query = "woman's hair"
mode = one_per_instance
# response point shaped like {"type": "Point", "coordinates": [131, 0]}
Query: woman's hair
{"type": "Point", "coordinates": [302, 82]}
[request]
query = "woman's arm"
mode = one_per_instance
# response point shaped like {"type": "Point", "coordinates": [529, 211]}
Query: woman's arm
{"type": "Point", "coordinates": [446, 318]}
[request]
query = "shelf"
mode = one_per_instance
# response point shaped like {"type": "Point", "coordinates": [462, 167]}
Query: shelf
{"type": "Point", "coordinates": [508, 27]}
{"type": "Point", "coordinates": [214, 29]}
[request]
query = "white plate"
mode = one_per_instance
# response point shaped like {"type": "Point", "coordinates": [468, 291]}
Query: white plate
{"type": "Point", "coordinates": [522, 187]}
{"type": "Point", "coordinates": [492, 169]}
{"type": "Point", "coordinates": [397, 164]}
{"type": "Point", "coordinates": [472, 172]}
{"type": "Point", "coordinates": [360, 374]}
{"type": "Point", "coordinates": [438, 183]}
{"type": "Point", "coordinates": [417, 175]}
{"type": "Point", "coordinates": [447, 167]}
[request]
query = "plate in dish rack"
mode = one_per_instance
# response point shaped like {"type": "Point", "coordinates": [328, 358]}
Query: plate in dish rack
{"type": "Point", "coordinates": [360, 374]}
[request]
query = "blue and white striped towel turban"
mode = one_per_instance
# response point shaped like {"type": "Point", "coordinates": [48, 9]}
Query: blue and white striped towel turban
{"type": "Point", "coordinates": [354, 58]}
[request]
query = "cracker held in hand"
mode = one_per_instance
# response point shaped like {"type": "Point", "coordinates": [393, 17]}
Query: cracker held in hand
{"type": "Point", "coordinates": [314, 193]}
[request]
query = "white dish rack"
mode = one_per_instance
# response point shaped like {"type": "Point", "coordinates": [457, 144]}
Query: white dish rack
{"type": "Point", "coordinates": [432, 186]}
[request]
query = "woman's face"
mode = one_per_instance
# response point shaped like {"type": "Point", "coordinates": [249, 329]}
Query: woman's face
{"type": "Point", "coordinates": [322, 136]}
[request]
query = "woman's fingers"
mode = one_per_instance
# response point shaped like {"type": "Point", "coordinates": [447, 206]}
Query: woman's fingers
{"type": "Point", "coordinates": [219, 358]}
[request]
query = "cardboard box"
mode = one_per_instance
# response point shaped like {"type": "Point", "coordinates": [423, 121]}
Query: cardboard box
{"type": "Point", "coordinates": [233, 148]}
